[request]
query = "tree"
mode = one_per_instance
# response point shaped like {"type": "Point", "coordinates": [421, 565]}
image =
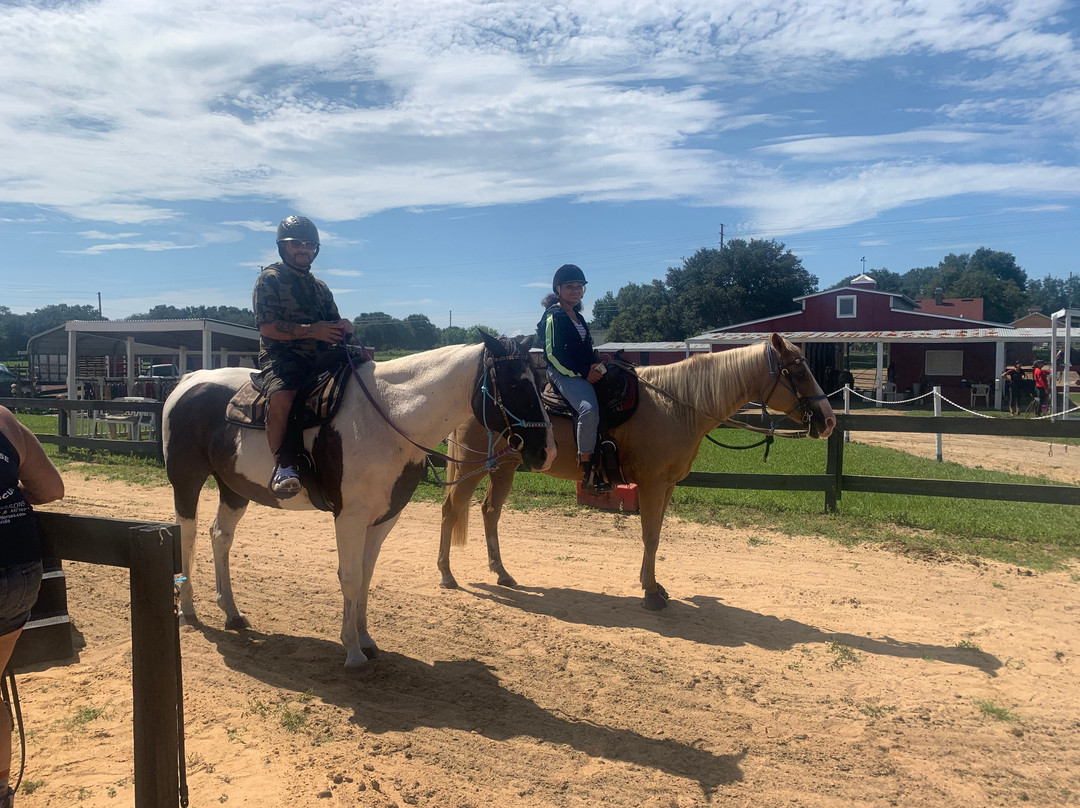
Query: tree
{"type": "Point", "coordinates": [380, 331]}
{"type": "Point", "coordinates": [425, 334]}
{"type": "Point", "coordinates": [1053, 294]}
{"type": "Point", "coordinates": [472, 333]}
{"type": "Point", "coordinates": [990, 274]}
{"type": "Point", "coordinates": [603, 311]}
{"type": "Point", "coordinates": [742, 281]}
{"type": "Point", "coordinates": [453, 335]}
{"type": "Point", "coordinates": [646, 312]}
{"type": "Point", "coordinates": [226, 314]}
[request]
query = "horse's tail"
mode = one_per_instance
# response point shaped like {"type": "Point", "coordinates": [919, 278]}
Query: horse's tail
{"type": "Point", "coordinates": [459, 535]}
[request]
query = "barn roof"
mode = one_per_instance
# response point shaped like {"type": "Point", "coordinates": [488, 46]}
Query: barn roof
{"type": "Point", "coordinates": [994, 334]}
{"type": "Point", "coordinates": [108, 337]}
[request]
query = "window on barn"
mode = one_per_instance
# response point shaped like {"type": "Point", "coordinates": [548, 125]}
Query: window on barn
{"type": "Point", "coordinates": [944, 363]}
{"type": "Point", "coordinates": [845, 306]}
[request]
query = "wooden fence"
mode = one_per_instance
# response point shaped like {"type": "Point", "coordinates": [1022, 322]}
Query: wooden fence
{"type": "Point", "coordinates": [151, 553]}
{"type": "Point", "coordinates": [833, 483]}
{"type": "Point", "coordinates": [108, 414]}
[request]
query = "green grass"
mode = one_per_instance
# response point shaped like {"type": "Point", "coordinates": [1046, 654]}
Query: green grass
{"type": "Point", "coordinates": [1027, 534]}
{"type": "Point", "coordinates": [1032, 535]}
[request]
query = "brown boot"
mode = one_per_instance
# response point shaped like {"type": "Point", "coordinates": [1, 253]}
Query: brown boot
{"type": "Point", "coordinates": [592, 480]}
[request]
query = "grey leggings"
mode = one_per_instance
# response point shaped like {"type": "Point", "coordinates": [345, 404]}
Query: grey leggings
{"type": "Point", "coordinates": [582, 397]}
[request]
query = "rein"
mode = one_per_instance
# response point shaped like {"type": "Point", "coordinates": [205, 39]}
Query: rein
{"type": "Point", "coordinates": [492, 460]}
{"type": "Point", "coordinates": [780, 375]}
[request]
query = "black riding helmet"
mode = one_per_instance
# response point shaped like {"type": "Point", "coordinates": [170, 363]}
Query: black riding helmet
{"type": "Point", "coordinates": [567, 273]}
{"type": "Point", "coordinates": [296, 227]}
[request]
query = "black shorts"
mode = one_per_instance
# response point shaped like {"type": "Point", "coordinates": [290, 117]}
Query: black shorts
{"type": "Point", "coordinates": [287, 371]}
{"type": "Point", "coordinates": [18, 593]}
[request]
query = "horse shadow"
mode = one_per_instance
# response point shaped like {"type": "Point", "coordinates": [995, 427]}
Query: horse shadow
{"type": "Point", "coordinates": [710, 621]}
{"type": "Point", "coordinates": [400, 694]}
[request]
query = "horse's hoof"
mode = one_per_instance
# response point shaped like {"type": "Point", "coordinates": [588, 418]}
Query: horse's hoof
{"type": "Point", "coordinates": [238, 623]}
{"type": "Point", "coordinates": [370, 651]}
{"type": "Point", "coordinates": [655, 601]}
{"type": "Point", "coordinates": [448, 582]}
{"type": "Point", "coordinates": [507, 580]}
{"type": "Point", "coordinates": [189, 619]}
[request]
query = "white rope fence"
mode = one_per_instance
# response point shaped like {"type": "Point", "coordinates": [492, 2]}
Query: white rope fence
{"type": "Point", "coordinates": [939, 400]}
{"type": "Point", "coordinates": [943, 399]}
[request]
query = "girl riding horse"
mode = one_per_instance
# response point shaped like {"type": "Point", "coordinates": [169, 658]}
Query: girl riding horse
{"type": "Point", "coordinates": [572, 365]}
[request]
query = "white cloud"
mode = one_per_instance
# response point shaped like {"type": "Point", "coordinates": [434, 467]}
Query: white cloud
{"type": "Point", "coordinates": [121, 111]}
{"type": "Point", "coordinates": [148, 246]}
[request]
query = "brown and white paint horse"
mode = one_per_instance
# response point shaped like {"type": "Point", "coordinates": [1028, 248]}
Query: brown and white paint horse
{"type": "Point", "coordinates": [369, 469]}
{"type": "Point", "coordinates": [678, 405]}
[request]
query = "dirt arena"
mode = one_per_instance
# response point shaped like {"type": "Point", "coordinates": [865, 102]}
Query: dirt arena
{"type": "Point", "coordinates": [787, 671]}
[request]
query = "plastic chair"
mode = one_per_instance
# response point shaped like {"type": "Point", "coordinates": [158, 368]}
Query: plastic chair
{"type": "Point", "coordinates": [888, 391]}
{"type": "Point", "coordinates": [980, 391]}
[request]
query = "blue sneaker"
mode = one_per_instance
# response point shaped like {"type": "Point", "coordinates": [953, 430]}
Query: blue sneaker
{"type": "Point", "coordinates": [285, 483]}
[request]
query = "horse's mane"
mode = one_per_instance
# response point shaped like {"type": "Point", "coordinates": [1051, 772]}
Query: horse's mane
{"type": "Point", "coordinates": [713, 384]}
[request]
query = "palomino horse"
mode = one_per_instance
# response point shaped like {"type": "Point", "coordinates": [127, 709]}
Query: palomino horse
{"type": "Point", "coordinates": [369, 468]}
{"type": "Point", "coordinates": [678, 405]}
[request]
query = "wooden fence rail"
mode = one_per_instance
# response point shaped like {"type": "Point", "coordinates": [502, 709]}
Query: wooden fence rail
{"type": "Point", "coordinates": [151, 553]}
{"type": "Point", "coordinates": [833, 483]}
{"type": "Point", "coordinates": [65, 413]}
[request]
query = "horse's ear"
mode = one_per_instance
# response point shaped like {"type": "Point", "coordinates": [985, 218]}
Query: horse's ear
{"type": "Point", "coordinates": [527, 343]}
{"type": "Point", "coordinates": [778, 342]}
{"type": "Point", "coordinates": [493, 345]}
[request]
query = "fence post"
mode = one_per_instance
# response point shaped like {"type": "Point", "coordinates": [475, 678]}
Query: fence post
{"type": "Point", "coordinates": [937, 414]}
{"type": "Point", "coordinates": [834, 467]}
{"type": "Point", "coordinates": [153, 644]}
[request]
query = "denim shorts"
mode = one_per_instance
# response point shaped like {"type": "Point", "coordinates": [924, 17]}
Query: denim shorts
{"type": "Point", "coordinates": [19, 587]}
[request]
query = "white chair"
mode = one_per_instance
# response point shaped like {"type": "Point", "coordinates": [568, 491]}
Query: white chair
{"type": "Point", "coordinates": [980, 391]}
{"type": "Point", "coordinates": [888, 391]}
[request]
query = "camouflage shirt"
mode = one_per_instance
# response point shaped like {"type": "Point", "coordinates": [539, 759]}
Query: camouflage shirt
{"type": "Point", "coordinates": [283, 293]}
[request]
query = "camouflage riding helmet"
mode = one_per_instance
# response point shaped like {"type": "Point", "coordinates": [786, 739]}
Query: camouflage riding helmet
{"type": "Point", "coordinates": [299, 228]}
{"type": "Point", "coordinates": [567, 273]}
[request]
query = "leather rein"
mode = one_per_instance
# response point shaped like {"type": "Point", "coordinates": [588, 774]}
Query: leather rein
{"type": "Point", "coordinates": [513, 442]}
{"type": "Point", "coordinates": [780, 375]}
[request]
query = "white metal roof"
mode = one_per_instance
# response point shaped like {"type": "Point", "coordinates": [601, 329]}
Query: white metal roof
{"type": "Point", "coordinates": [997, 334]}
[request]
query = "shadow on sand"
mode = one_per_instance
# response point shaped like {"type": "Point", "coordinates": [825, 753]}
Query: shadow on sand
{"type": "Point", "coordinates": [399, 694]}
{"type": "Point", "coordinates": [710, 621]}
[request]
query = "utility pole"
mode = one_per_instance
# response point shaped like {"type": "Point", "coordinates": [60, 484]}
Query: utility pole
{"type": "Point", "coordinates": [863, 259]}
{"type": "Point", "coordinates": [99, 304]}
{"type": "Point", "coordinates": [721, 235]}
{"type": "Point", "coordinates": [451, 318]}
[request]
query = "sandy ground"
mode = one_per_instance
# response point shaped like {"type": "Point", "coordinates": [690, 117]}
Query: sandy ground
{"type": "Point", "coordinates": [787, 671]}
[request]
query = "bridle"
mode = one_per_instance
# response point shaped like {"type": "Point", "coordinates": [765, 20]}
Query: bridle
{"type": "Point", "coordinates": [492, 460]}
{"type": "Point", "coordinates": [492, 393]}
{"type": "Point", "coordinates": [781, 375]}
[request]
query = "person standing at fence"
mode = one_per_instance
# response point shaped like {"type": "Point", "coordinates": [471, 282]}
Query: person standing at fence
{"type": "Point", "coordinates": [1042, 385]}
{"type": "Point", "coordinates": [27, 478]}
{"type": "Point", "coordinates": [297, 320]}
{"type": "Point", "coordinates": [1014, 376]}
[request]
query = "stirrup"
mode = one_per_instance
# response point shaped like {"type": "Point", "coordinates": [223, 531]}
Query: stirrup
{"type": "Point", "coordinates": [594, 482]}
{"type": "Point", "coordinates": [286, 481]}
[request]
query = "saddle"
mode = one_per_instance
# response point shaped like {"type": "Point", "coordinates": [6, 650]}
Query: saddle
{"type": "Point", "coordinates": [617, 395]}
{"type": "Point", "coordinates": [316, 403]}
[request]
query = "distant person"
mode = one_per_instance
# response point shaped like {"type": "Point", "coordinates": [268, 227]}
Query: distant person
{"type": "Point", "coordinates": [297, 320]}
{"type": "Point", "coordinates": [1042, 385]}
{"type": "Point", "coordinates": [27, 477]}
{"type": "Point", "coordinates": [1013, 377]}
{"type": "Point", "coordinates": [572, 365]}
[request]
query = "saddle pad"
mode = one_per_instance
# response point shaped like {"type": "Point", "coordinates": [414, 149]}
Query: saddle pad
{"type": "Point", "coordinates": [323, 397]}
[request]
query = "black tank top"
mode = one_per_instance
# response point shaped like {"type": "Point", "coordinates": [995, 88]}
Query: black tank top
{"type": "Point", "coordinates": [18, 528]}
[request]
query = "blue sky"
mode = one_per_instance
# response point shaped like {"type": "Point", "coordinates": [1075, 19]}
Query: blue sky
{"type": "Point", "coordinates": [455, 153]}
